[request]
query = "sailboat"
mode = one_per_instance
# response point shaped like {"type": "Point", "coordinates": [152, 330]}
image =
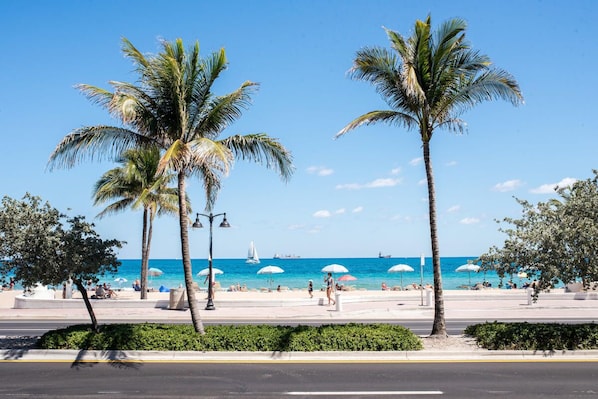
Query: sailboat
{"type": "Point", "coordinates": [252, 256]}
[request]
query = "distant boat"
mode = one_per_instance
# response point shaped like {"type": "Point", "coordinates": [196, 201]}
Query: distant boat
{"type": "Point", "coordinates": [278, 256]}
{"type": "Point", "coordinates": [252, 256]}
{"type": "Point", "coordinates": [382, 256]}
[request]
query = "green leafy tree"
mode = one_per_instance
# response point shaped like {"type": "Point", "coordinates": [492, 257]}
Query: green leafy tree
{"type": "Point", "coordinates": [38, 244]}
{"type": "Point", "coordinates": [553, 241]}
{"type": "Point", "coordinates": [428, 80]}
{"type": "Point", "coordinates": [174, 108]}
{"type": "Point", "coordinates": [136, 184]}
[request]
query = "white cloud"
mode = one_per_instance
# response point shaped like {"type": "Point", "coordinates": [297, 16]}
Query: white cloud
{"type": "Point", "coordinates": [549, 188]}
{"type": "Point", "coordinates": [454, 208]}
{"type": "Point", "coordinates": [340, 211]}
{"type": "Point", "coordinates": [422, 182]}
{"type": "Point", "coordinates": [508, 185]}
{"type": "Point", "coordinates": [349, 186]}
{"type": "Point", "coordinates": [469, 221]}
{"type": "Point", "coordinates": [357, 209]}
{"type": "Point", "coordinates": [451, 163]}
{"type": "Point", "coordinates": [296, 227]}
{"type": "Point", "coordinates": [382, 182]}
{"type": "Point", "coordinates": [322, 214]}
{"type": "Point", "coordinates": [395, 171]}
{"type": "Point", "coordinates": [320, 171]}
{"type": "Point", "coordinates": [416, 161]}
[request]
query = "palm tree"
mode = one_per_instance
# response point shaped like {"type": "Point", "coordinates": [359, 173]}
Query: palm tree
{"type": "Point", "coordinates": [173, 107]}
{"type": "Point", "coordinates": [429, 80]}
{"type": "Point", "coordinates": [136, 184]}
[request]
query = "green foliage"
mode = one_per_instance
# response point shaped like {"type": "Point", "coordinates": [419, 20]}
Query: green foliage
{"type": "Point", "coordinates": [38, 245]}
{"type": "Point", "coordinates": [253, 338]}
{"type": "Point", "coordinates": [535, 336]}
{"type": "Point", "coordinates": [554, 241]}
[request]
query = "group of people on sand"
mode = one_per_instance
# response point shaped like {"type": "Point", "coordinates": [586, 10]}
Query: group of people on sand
{"type": "Point", "coordinates": [10, 286]}
{"type": "Point", "coordinates": [103, 291]}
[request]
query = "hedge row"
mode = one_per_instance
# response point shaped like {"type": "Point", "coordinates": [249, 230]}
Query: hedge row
{"type": "Point", "coordinates": [253, 338]}
{"type": "Point", "coordinates": [535, 336]}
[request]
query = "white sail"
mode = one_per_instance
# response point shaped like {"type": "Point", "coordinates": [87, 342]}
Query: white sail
{"type": "Point", "coordinates": [252, 256]}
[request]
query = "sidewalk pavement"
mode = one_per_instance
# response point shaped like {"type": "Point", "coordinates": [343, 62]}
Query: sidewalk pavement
{"type": "Point", "coordinates": [477, 306]}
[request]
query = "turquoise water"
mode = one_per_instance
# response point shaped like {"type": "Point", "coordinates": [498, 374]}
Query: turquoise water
{"type": "Point", "coordinates": [370, 272]}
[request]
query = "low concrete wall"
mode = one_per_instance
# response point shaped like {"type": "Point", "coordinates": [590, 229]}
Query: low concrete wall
{"type": "Point", "coordinates": [24, 302]}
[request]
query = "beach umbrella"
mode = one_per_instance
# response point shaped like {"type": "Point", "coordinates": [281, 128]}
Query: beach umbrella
{"type": "Point", "coordinates": [120, 280]}
{"type": "Point", "coordinates": [334, 268]}
{"type": "Point", "coordinates": [346, 277]}
{"type": "Point", "coordinates": [206, 271]}
{"type": "Point", "coordinates": [270, 270]}
{"type": "Point", "coordinates": [468, 268]}
{"type": "Point", "coordinates": [400, 268]}
{"type": "Point", "coordinates": [154, 272]}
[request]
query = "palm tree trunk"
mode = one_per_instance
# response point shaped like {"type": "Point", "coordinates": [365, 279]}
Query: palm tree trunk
{"type": "Point", "coordinates": [144, 256]}
{"type": "Point", "coordinates": [184, 227]}
{"type": "Point", "coordinates": [439, 326]}
{"type": "Point", "coordinates": [92, 315]}
{"type": "Point", "coordinates": [148, 244]}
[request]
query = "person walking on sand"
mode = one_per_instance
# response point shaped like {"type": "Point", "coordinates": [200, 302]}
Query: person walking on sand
{"type": "Point", "coordinates": [329, 288]}
{"type": "Point", "coordinates": [310, 288]}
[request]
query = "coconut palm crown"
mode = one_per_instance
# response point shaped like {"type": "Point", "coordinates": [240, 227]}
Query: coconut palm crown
{"type": "Point", "coordinates": [173, 107]}
{"type": "Point", "coordinates": [428, 80]}
{"type": "Point", "coordinates": [136, 184]}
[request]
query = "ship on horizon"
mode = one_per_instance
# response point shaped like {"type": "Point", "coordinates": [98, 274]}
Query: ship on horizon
{"type": "Point", "coordinates": [278, 256]}
{"type": "Point", "coordinates": [383, 256]}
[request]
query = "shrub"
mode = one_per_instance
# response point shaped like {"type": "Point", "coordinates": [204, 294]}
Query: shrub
{"type": "Point", "coordinates": [253, 338]}
{"type": "Point", "coordinates": [535, 336]}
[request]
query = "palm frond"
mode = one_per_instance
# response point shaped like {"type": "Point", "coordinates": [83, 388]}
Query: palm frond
{"type": "Point", "coordinates": [370, 118]}
{"type": "Point", "coordinates": [262, 149]}
{"type": "Point", "coordinates": [94, 143]}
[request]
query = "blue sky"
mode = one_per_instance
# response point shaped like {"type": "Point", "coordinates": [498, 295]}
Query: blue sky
{"type": "Point", "coordinates": [350, 197]}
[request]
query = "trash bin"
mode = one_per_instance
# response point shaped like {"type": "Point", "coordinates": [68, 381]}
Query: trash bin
{"type": "Point", "coordinates": [177, 298]}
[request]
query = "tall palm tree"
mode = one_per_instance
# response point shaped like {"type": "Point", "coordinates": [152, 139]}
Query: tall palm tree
{"type": "Point", "coordinates": [136, 184]}
{"type": "Point", "coordinates": [173, 107]}
{"type": "Point", "coordinates": [428, 81]}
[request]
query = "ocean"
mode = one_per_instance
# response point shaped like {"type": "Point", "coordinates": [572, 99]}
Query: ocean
{"type": "Point", "coordinates": [370, 273]}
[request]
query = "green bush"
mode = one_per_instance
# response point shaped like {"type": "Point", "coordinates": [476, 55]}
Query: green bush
{"type": "Point", "coordinates": [535, 336]}
{"type": "Point", "coordinates": [253, 338]}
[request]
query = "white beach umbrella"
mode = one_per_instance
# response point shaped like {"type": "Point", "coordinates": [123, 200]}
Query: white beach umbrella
{"type": "Point", "coordinates": [270, 270]}
{"type": "Point", "coordinates": [120, 280]}
{"type": "Point", "coordinates": [334, 268]}
{"type": "Point", "coordinates": [400, 268]}
{"type": "Point", "coordinates": [206, 271]}
{"type": "Point", "coordinates": [468, 268]}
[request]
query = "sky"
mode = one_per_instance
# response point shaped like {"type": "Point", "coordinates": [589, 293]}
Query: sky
{"type": "Point", "coordinates": [355, 196]}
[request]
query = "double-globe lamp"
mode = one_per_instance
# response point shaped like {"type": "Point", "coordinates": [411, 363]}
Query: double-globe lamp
{"type": "Point", "coordinates": [197, 225]}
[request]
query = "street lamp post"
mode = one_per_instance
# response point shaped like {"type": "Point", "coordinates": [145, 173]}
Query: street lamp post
{"type": "Point", "coordinates": [197, 225]}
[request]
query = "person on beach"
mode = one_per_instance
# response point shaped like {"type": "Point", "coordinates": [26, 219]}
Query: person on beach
{"type": "Point", "coordinates": [310, 288]}
{"type": "Point", "coordinates": [329, 288]}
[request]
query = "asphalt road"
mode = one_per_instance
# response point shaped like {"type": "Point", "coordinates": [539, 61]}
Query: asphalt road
{"type": "Point", "coordinates": [461, 380]}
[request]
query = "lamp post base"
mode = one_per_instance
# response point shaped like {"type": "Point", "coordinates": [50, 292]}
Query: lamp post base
{"type": "Point", "coordinates": [210, 305]}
